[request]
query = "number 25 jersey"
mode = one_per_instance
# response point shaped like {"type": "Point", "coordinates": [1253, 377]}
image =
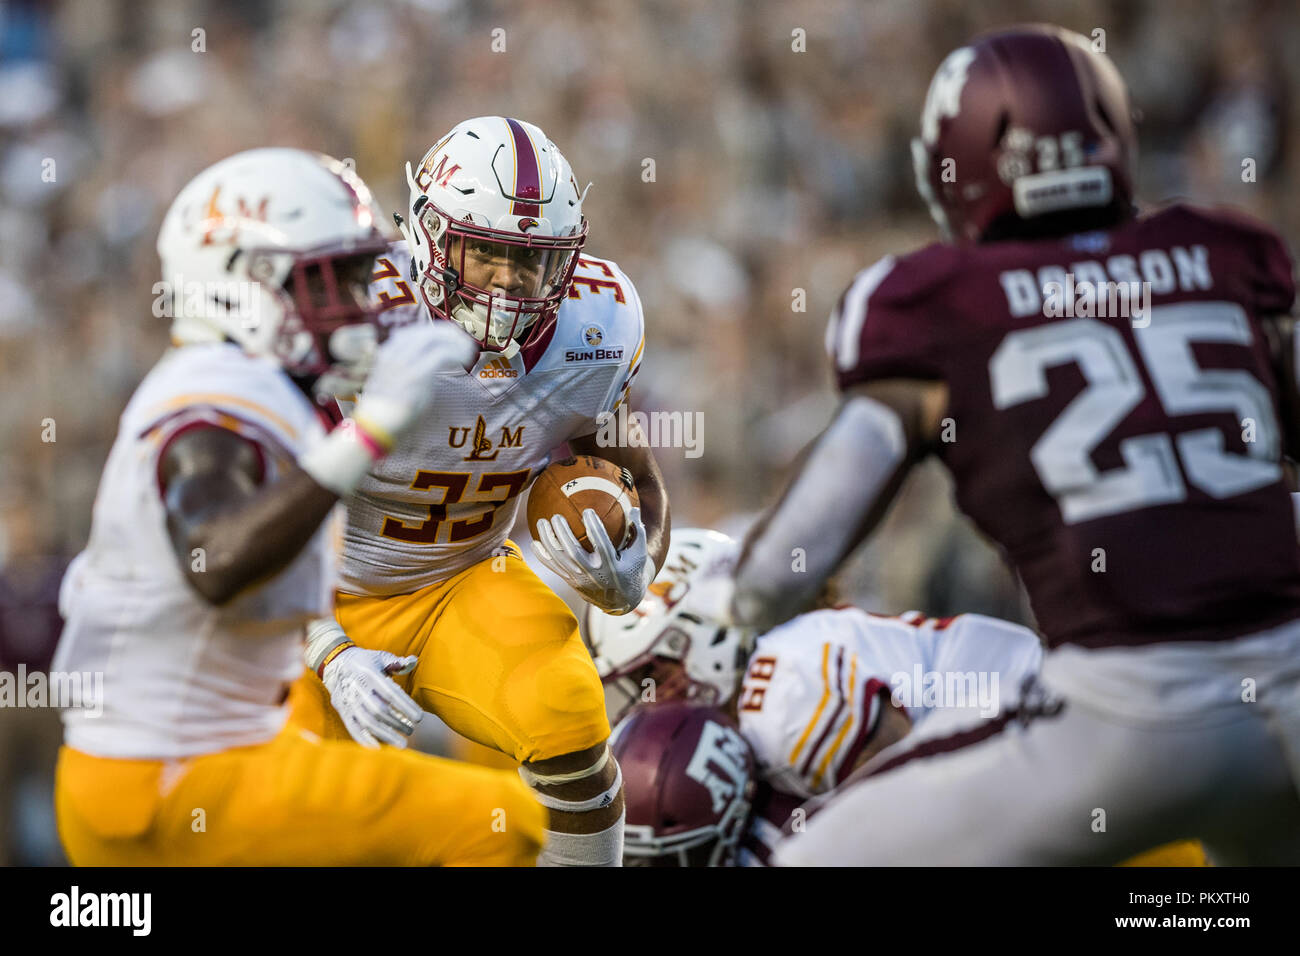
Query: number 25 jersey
{"type": "Point", "coordinates": [1128, 464]}
{"type": "Point", "coordinates": [445, 498]}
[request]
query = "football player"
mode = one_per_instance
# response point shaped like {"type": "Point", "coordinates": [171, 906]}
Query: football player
{"type": "Point", "coordinates": [212, 546]}
{"type": "Point", "coordinates": [1110, 392]}
{"type": "Point", "coordinates": [818, 696]}
{"type": "Point", "coordinates": [495, 244]}
{"type": "Point", "coordinates": [691, 784]}
{"type": "Point", "coordinates": [816, 699]}
{"type": "Point", "coordinates": [695, 796]}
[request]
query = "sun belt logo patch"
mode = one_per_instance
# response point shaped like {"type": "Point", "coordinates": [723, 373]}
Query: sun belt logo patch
{"type": "Point", "coordinates": [593, 335]}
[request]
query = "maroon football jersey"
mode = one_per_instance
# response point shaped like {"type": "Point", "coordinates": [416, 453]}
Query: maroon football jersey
{"type": "Point", "coordinates": [1129, 465]}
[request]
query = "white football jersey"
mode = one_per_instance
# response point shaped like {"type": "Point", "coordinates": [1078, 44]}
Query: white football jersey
{"type": "Point", "coordinates": [181, 677]}
{"type": "Point", "coordinates": [446, 497]}
{"type": "Point", "coordinates": [814, 686]}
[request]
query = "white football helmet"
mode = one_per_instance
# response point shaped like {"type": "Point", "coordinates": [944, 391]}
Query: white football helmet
{"type": "Point", "coordinates": [498, 193]}
{"type": "Point", "coordinates": [625, 647]}
{"type": "Point", "coordinates": [273, 249]}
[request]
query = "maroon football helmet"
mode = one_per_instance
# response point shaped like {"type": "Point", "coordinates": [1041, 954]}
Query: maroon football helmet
{"type": "Point", "coordinates": [688, 782]}
{"type": "Point", "coordinates": [1026, 132]}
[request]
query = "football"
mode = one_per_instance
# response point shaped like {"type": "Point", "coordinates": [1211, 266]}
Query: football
{"type": "Point", "coordinates": [572, 485]}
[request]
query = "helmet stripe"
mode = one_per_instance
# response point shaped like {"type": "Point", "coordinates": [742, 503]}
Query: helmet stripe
{"type": "Point", "coordinates": [528, 180]}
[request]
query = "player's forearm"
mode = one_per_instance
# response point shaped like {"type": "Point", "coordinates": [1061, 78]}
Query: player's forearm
{"type": "Point", "coordinates": [839, 494]}
{"type": "Point", "coordinates": [226, 551]}
{"type": "Point", "coordinates": [654, 515]}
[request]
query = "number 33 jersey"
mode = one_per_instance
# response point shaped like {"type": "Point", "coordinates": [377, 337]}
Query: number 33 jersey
{"type": "Point", "coordinates": [1112, 417]}
{"type": "Point", "coordinates": [446, 497]}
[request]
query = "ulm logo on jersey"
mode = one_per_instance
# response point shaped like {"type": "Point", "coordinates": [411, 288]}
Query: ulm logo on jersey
{"type": "Point", "coordinates": [498, 368]}
{"type": "Point", "coordinates": [481, 448]}
{"type": "Point", "coordinates": [719, 764]}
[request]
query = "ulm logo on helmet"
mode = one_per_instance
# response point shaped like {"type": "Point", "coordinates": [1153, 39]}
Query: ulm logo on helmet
{"type": "Point", "coordinates": [428, 173]}
{"type": "Point", "coordinates": [222, 228]}
{"type": "Point", "coordinates": [528, 223]}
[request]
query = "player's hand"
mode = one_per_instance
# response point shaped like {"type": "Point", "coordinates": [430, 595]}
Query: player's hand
{"type": "Point", "coordinates": [613, 581]}
{"type": "Point", "coordinates": [404, 379]}
{"type": "Point", "coordinates": [374, 709]}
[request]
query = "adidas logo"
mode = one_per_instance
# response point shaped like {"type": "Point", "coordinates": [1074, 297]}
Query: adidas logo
{"type": "Point", "coordinates": [498, 368]}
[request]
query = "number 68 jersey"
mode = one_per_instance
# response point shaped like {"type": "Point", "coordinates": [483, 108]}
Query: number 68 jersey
{"type": "Point", "coordinates": [446, 496]}
{"type": "Point", "coordinates": [1112, 417]}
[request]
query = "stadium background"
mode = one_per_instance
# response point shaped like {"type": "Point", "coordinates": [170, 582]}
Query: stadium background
{"type": "Point", "coordinates": [774, 171]}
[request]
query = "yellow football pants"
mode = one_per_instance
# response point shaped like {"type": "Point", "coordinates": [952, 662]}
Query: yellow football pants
{"type": "Point", "coordinates": [501, 661]}
{"type": "Point", "coordinates": [1183, 853]}
{"type": "Point", "coordinates": [294, 801]}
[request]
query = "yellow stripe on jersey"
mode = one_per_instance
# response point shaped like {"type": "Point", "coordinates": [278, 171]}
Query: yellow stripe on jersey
{"type": "Point", "coordinates": [826, 696]}
{"type": "Point", "coordinates": [632, 368]}
{"type": "Point", "coordinates": [839, 738]}
{"type": "Point", "coordinates": [218, 398]}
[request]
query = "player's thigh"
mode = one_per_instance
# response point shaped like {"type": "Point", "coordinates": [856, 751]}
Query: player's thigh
{"type": "Point", "coordinates": [299, 801]}
{"type": "Point", "coordinates": [506, 667]}
{"type": "Point", "coordinates": [399, 624]}
{"type": "Point", "coordinates": [107, 809]}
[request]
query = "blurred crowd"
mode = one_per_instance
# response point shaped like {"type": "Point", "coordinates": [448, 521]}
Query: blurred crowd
{"type": "Point", "coordinates": [748, 157]}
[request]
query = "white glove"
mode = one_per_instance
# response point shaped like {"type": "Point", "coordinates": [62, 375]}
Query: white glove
{"type": "Point", "coordinates": [400, 387]}
{"type": "Point", "coordinates": [402, 383]}
{"type": "Point", "coordinates": [614, 582]}
{"type": "Point", "coordinates": [373, 708]}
